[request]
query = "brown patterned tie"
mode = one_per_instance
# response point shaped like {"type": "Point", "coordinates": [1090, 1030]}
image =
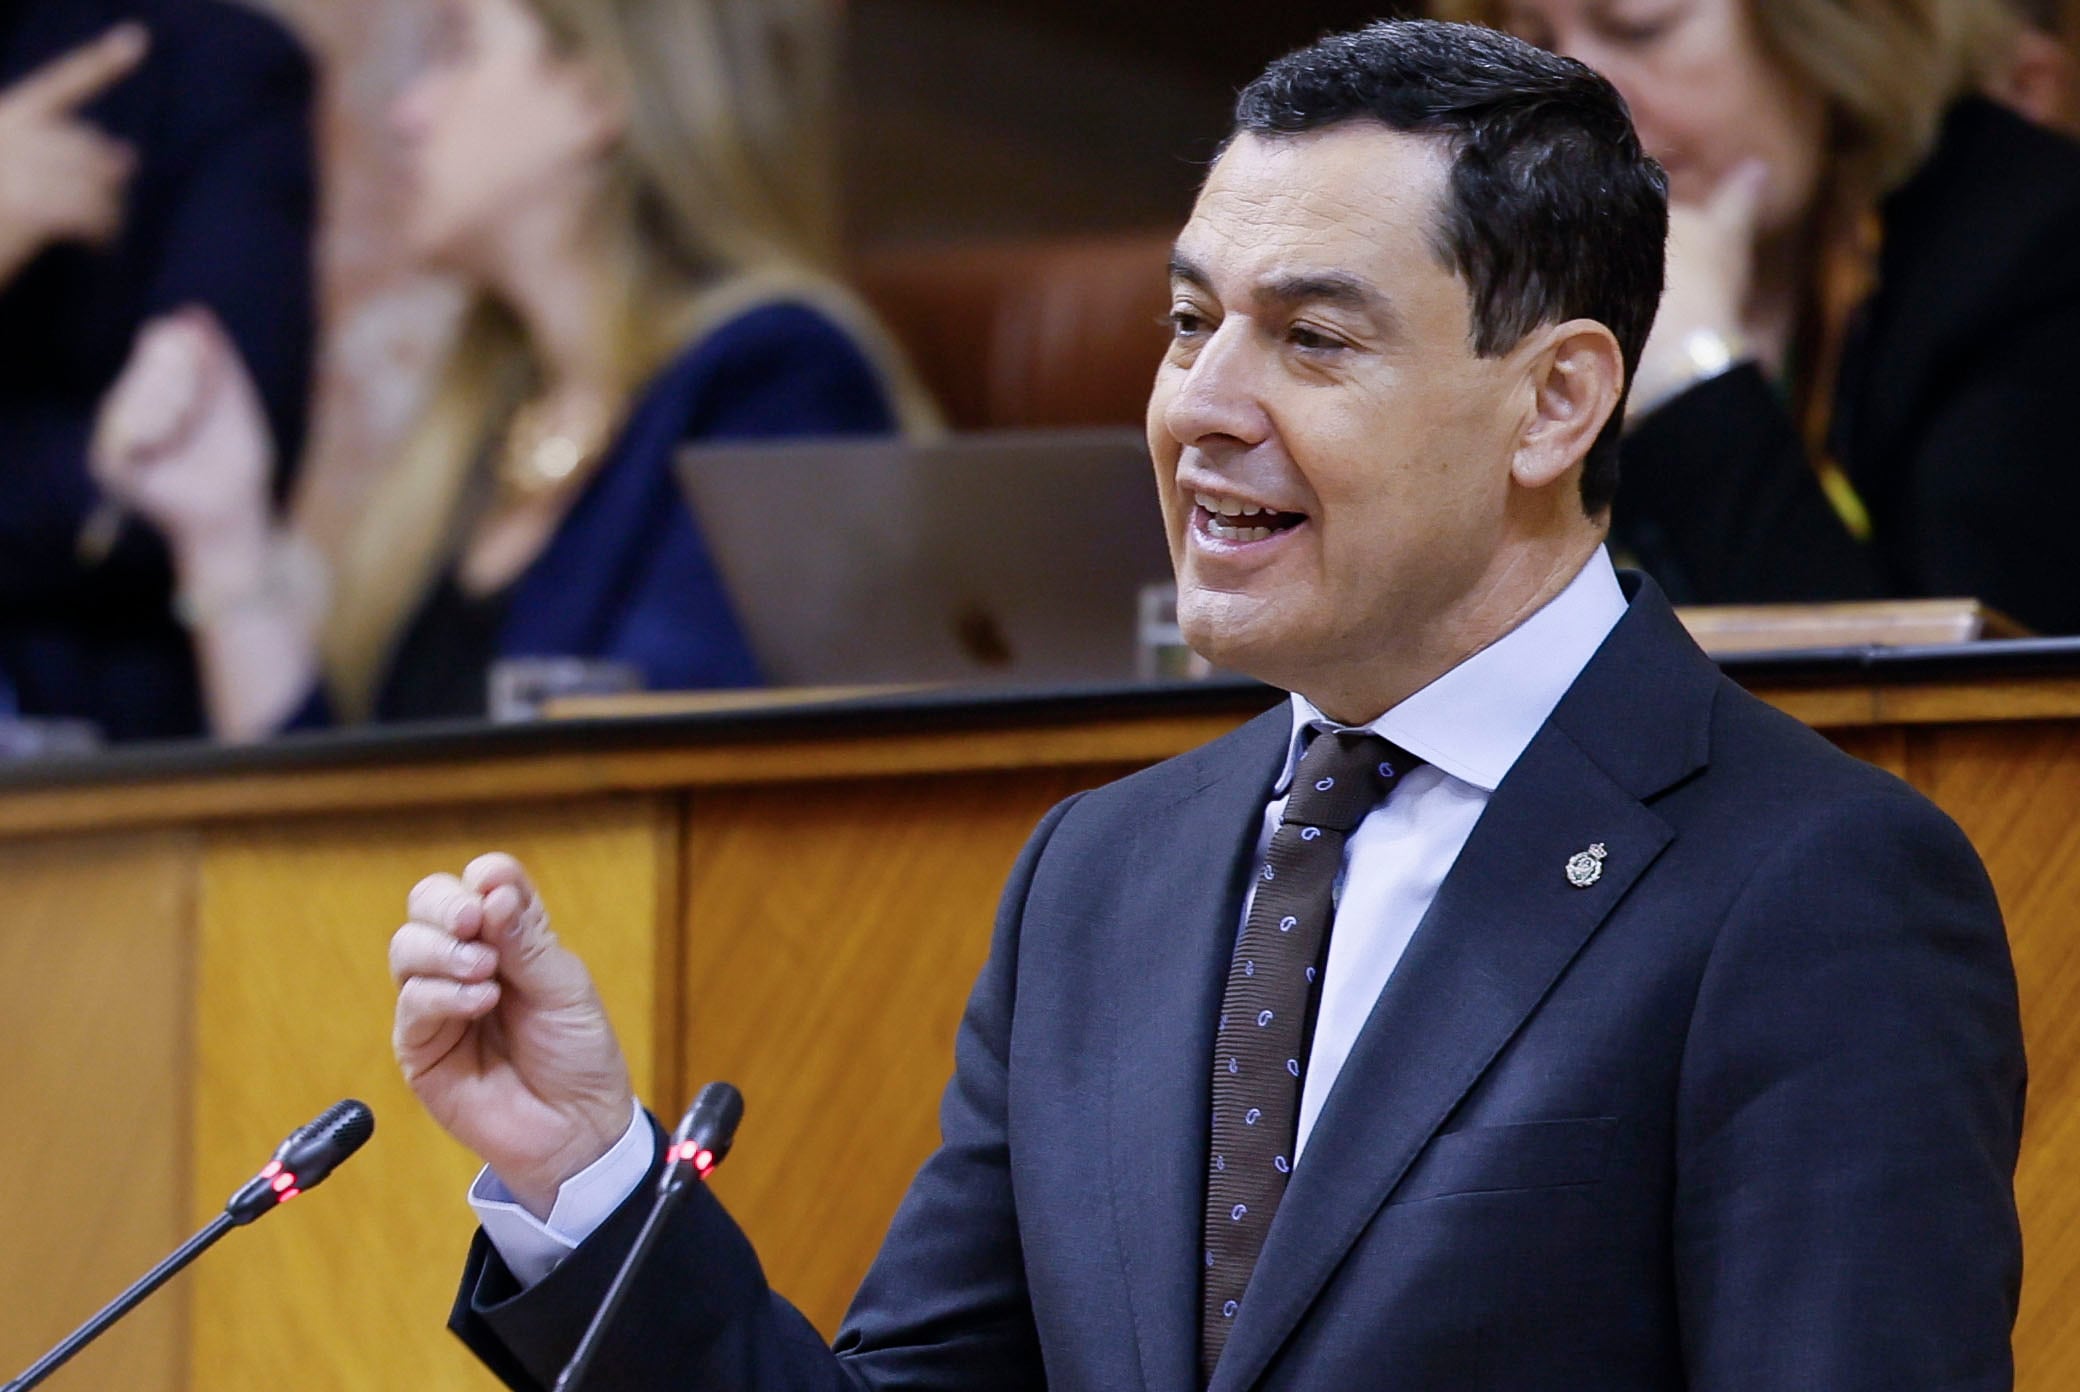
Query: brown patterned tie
{"type": "Point", "coordinates": [1260, 1054]}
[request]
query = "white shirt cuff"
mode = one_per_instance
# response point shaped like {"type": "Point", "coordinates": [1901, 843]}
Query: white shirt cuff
{"type": "Point", "coordinates": [532, 1248]}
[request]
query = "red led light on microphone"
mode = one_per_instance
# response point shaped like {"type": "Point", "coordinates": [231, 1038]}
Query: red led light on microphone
{"type": "Point", "coordinates": [692, 1153]}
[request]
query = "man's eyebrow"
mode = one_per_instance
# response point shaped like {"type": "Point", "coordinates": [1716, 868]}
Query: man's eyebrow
{"type": "Point", "coordinates": [1182, 267]}
{"type": "Point", "coordinates": [1339, 289]}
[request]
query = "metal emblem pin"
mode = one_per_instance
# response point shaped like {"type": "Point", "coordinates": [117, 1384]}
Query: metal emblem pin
{"type": "Point", "coordinates": [1585, 868]}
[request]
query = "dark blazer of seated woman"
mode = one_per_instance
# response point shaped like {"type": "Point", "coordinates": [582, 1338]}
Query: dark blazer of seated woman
{"type": "Point", "coordinates": [626, 576]}
{"type": "Point", "coordinates": [1951, 417]}
{"type": "Point", "coordinates": [219, 213]}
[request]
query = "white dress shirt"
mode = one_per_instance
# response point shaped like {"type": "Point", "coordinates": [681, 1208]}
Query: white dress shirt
{"type": "Point", "coordinates": [1469, 727]}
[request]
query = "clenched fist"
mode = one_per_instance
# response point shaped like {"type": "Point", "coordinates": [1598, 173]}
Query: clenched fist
{"type": "Point", "coordinates": [500, 1032]}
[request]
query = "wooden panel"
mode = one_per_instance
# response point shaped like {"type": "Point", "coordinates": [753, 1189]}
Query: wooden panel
{"type": "Point", "coordinates": [562, 763]}
{"type": "Point", "coordinates": [1887, 748]}
{"type": "Point", "coordinates": [1986, 699]}
{"type": "Point", "coordinates": [2015, 789]}
{"type": "Point", "coordinates": [347, 1288]}
{"type": "Point", "coordinates": [94, 947]}
{"type": "Point", "coordinates": [831, 942]}
{"type": "Point", "coordinates": [552, 768]}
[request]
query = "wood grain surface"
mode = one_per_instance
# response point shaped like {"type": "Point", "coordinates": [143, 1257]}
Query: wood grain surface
{"type": "Point", "coordinates": [554, 767]}
{"type": "Point", "coordinates": [560, 764]}
{"type": "Point", "coordinates": [2015, 789]}
{"type": "Point", "coordinates": [348, 1287]}
{"type": "Point", "coordinates": [830, 944]}
{"type": "Point", "coordinates": [93, 1156]}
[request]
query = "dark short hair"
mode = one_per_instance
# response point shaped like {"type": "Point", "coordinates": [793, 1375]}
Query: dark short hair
{"type": "Point", "coordinates": [1554, 211]}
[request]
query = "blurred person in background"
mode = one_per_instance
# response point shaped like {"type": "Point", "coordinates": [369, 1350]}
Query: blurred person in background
{"type": "Point", "coordinates": [2042, 80]}
{"type": "Point", "coordinates": [637, 195]}
{"type": "Point", "coordinates": [153, 154]}
{"type": "Point", "coordinates": [1858, 385]}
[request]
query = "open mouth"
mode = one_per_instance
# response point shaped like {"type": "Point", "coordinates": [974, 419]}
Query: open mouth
{"type": "Point", "coordinates": [1231, 519]}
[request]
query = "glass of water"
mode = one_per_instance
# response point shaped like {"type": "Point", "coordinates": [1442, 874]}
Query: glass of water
{"type": "Point", "coordinates": [1160, 653]}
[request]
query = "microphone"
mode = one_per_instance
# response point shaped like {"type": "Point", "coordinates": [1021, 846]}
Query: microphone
{"type": "Point", "coordinates": [704, 1137]}
{"type": "Point", "coordinates": [310, 1154]}
{"type": "Point", "coordinates": [302, 1162]}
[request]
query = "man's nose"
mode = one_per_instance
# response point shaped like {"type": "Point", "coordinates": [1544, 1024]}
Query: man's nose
{"type": "Point", "coordinates": [1221, 395]}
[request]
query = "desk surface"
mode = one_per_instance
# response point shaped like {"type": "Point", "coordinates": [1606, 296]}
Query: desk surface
{"type": "Point", "coordinates": [947, 730]}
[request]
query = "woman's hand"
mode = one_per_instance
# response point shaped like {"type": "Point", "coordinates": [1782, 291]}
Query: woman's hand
{"type": "Point", "coordinates": [1711, 265]}
{"type": "Point", "coordinates": [182, 439]}
{"type": "Point", "coordinates": [61, 179]}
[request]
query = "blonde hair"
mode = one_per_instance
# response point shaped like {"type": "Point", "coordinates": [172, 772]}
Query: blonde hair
{"type": "Point", "coordinates": [717, 198]}
{"type": "Point", "coordinates": [1889, 69]}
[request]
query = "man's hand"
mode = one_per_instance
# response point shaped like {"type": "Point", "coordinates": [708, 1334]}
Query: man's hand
{"type": "Point", "coordinates": [500, 1032]}
{"type": "Point", "coordinates": [61, 180]}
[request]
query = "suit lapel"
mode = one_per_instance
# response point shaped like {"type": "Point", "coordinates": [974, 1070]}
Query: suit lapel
{"type": "Point", "coordinates": [1171, 963]}
{"type": "Point", "coordinates": [1505, 924]}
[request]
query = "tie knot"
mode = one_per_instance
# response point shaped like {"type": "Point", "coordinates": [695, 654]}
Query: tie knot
{"type": "Point", "coordinates": [1343, 775]}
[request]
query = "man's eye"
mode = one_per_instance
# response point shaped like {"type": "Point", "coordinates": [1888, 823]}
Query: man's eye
{"type": "Point", "coordinates": [1185, 323]}
{"type": "Point", "coordinates": [1312, 340]}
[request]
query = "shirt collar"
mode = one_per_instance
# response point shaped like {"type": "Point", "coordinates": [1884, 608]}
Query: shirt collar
{"type": "Point", "coordinates": [1475, 721]}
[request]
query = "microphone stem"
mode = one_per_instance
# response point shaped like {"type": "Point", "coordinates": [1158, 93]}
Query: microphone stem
{"type": "Point", "coordinates": [588, 1347]}
{"type": "Point", "coordinates": [158, 1276]}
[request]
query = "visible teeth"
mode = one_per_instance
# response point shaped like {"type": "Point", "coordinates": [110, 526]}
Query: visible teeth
{"type": "Point", "coordinates": [1227, 532]}
{"type": "Point", "coordinates": [1229, 507]}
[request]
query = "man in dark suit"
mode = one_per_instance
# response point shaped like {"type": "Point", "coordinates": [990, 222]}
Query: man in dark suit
{"type": "Point", "coordinates": [1589, 1027]}
{"type": "Point", "coordinates": [162, 153]}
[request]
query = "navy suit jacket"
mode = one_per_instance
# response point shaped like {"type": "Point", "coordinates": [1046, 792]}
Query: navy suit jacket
{"type": "Point", "coordinates": [219, 213]}
{"type": "Point", "coordinates": [1741, 1116]}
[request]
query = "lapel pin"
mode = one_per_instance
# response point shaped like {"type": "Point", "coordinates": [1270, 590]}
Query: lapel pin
{"type": "Point", "coordinates": [1585, 868]}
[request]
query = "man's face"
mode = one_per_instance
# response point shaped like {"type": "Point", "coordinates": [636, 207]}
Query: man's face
{"type": "Point", "coordinates": [1333, 459]}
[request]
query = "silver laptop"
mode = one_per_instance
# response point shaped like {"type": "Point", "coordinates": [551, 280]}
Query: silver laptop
{"type": "Point", "coordinates": [1015, 557]}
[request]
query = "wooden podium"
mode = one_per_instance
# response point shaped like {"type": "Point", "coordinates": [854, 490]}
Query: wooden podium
{"type": "Point", "coordinates": [794, 899]}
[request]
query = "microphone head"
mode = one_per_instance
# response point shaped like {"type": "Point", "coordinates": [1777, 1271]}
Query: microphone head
{"type": "Point", "coordinates": [314, 1150]}
{"type": "Point", "coordinates": [706, 1131]}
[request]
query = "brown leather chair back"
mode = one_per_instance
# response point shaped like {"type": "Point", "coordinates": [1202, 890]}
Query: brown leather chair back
{"type": "Point", "coordinates": [1011, 334]}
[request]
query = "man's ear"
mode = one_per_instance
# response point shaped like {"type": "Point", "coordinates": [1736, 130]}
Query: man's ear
{"type": "Point", "coordinates": [1577, 375]}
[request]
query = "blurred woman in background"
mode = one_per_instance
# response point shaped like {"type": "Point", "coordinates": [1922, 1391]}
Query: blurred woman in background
{"type": "Point", "coordinates": [636, 194]}
{"type": "Point", "coordinates": [2042, 78]}
{"type": "Point", "coordinates": [1858, 383]}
